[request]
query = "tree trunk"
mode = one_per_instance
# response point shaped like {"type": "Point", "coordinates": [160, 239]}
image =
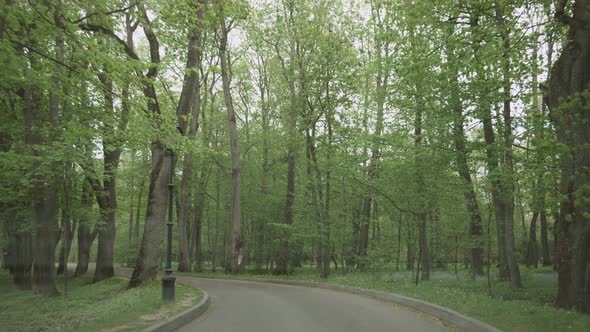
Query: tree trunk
{"type": "Point", "coordinates": [507, 171]}
{"type": "Point", "coordinates": [190, 103]}
{"type": "Point", "coordinates": [532, 257]}
{"type": "Point", "coordinates": [410, 249]}
{"type": "Point", "coordinates": [259, 227]}
{"type": "Point", "coordinates": [106, 193]}
{"type": "Point", "coordinates": [68, 228]}
{"type": "Point", "coordinates": [23, 260]}
{"type": "Point", "coordinates": [44, 198]}
{"type": "Point", "coordinates": [234, 260]}
{"type": "Point", "coordinates": [85, 235]}
{"type": "Point", "coordinates": [424, 253]}
{"type": "Point", "coordinates": [137, 215]}
{"type": "Point", "coordinates": [461, 156]}
{"type": "Point", "coordinates": [567, 100]}
{"type": "Point", "coordinates": [424, 259]}
{"type": "Point", "coordinates": [148, 259]}
{"type": "Point", "coordinates": [353, 257]}
{"type": "Point", "coordinates": [399, 242]}
{"type": "Point", "coordinates": [198, 237]}
{"type": "Point", "coordinates": [544, 240]}
{"type": "Point", "coordinates": [491, 149]}
{"type": "Point", "coordinates": [365, 218]}
{"type": "Point", "coordinates": [131, 220]}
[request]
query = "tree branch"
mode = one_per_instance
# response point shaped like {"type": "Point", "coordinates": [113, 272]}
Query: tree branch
{"type": "Point", "coordinates": [121, 10]}
{"type": "Point", "coordinates": [110, 33]}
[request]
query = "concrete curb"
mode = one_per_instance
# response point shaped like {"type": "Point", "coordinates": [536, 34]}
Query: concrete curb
{"type": "Point", "coordinates": [446, 315]}
{"type": "Point", "coordinates": [175, 322]}
{"type": "Point", "coordinates": [183, 318]}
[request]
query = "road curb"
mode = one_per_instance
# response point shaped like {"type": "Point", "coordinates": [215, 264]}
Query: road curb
{"type": "Point", "coordinates": [446, 315]}
{"type": "Point", "coordinates": [177, 321]}
{"type": "Point", "coordinates": [183, 318]}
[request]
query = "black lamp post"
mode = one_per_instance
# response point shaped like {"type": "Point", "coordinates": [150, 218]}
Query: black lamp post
{"type": "Point", "coordinates": [168, 280]}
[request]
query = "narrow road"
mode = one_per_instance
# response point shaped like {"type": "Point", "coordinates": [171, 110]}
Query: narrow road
{"type": "Point", "coordinates": [261, 307]}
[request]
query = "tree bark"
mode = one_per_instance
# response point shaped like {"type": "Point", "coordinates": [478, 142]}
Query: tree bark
{"type": "Point", "coordinates": [23, 260]}
{"type": "Point", "coordinates": [68, 227]}
{"type": "Point", "coordinates": [44, 197]}
{"type": "Point", "coordinates": [131, 221]}
{"type": "Point", "coordinates": [544, 240]}
{"type": "Point", "coordinates": [569, 111]}
{"type": "Point", "coordinates": [85, 233]}
{"type": "Point", "coordinates": [532, 257]}
{"type": "Point", "coordinates": [106, 193]}
{"type": "Point", "coordinates": [148, 259]}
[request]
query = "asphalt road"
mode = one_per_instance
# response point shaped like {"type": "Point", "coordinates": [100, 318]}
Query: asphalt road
{"type": "Point", "coordinates": [261, 307]}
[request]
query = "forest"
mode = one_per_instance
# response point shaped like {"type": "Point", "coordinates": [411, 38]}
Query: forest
{"type": "Point", "coordinates": [338, 136]}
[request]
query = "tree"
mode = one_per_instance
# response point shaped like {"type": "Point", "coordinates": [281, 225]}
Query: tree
{"type": "Point", "coordinates": [568, 109]}
{"type": "Point", "coordinates": [234, 245]}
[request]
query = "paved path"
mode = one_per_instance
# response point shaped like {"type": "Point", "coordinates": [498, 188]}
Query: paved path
{"type": "Point", "coordinates": [261, 307]}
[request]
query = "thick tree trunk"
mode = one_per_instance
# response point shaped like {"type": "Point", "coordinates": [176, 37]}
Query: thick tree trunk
{"type": "Point", "coordinates": [106, 246]}
{"type": "Point", "coordinates": [44, 197]}
{"type": "Point", "coordinates": [106, 193]}
{"type": "Point", "coordinates": [569, 84]}
{"type": "Point", "coordinates": [148, 259]}
{"type": "Point", "coordinates": [85, 239]}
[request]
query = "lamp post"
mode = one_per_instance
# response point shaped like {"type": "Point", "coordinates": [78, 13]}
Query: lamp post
{"type": "Point", "coordinates": [168, 280]}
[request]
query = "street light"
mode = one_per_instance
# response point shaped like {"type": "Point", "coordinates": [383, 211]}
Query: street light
{"type": "Point", "coordinates": [168, 280]}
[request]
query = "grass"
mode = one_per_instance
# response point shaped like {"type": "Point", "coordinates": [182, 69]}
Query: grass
{"type": "Point", "coordinates": [527, 309]}
{"type": "Point", "coordinates": [103, 306]}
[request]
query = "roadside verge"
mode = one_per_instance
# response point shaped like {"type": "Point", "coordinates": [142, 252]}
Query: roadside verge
{"type": "Point", "coordinates": [177, 321]}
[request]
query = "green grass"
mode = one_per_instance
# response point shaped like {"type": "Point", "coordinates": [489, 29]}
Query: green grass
{"type": "Point", "coordinates": [89, 307]}
{"type": "Point", "coordinates": [527, 309]}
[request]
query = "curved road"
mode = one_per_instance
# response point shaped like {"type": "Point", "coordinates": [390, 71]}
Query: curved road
{"type": "Point", "coordinates": [261, 307]}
